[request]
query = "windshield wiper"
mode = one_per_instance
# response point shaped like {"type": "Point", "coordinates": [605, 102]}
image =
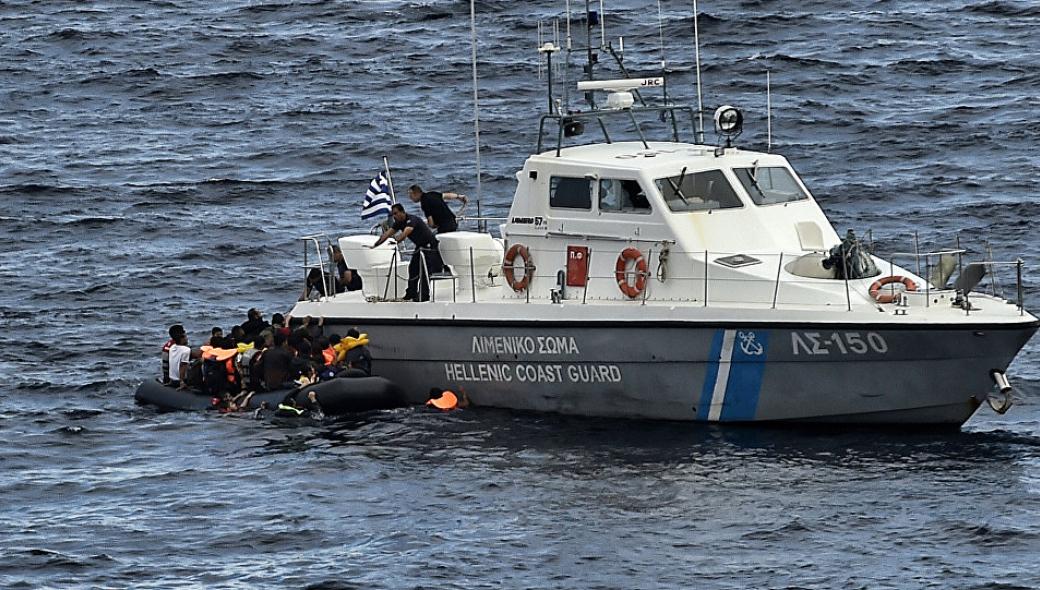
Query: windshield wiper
{"type": "Point", "coordinates": [753, 177]}
{"type": "Point", "coordinates": [678, 187]}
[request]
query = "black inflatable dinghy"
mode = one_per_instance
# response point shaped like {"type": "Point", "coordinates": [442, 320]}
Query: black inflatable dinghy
{"type": "Point", "coordinates": [356, 394]}
{"type": "Point", "coordinates": [164, 397]}
{"type": "Point", "coordinates": [337, 396]}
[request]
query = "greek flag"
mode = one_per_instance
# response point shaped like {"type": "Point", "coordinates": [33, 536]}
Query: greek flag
{"type": "Point", "coordinates": [377, 198]}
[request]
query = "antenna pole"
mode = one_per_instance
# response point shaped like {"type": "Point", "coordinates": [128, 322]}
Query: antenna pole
{"type": "Point", "coordinates": [602, 26]}
{"type": "Point", "coordinates": [481, 223]}
{"type": "Point", "coordinates": [769, 116]}
{"type": "Point", "coordinates": [548, 50]}
{"type": "Point", "coordinates": [589, 96]}
{"type": "Point", "coordinates": [660, 29]}
{"type": "Point", "coordinates": [700, 100]}
{"type": "Point", "coordinates": [567, 63]}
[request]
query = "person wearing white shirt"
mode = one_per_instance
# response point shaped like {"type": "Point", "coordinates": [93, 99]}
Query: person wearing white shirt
{"type": "Point", "coordinates": [180, 355]}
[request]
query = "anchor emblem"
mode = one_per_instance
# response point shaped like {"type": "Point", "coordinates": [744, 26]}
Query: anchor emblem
{"type": "Point", "coordinates": [749, 345]}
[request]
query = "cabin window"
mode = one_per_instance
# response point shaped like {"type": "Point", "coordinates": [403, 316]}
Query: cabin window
{"type": "Point", "coordinates": [570, 193]}
{"type": "Point", "coordinates": [698, 191]}
{"type": "Point", "coordinates": [622, 196]}
{"type": "Point", "coordinates": [768, 186]}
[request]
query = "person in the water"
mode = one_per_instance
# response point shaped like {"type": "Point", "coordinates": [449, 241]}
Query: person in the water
{"type": "Point", "coordinates": [446, 401]}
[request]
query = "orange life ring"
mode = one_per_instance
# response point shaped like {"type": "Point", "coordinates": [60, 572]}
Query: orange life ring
{"type": "Point", "coordinates": [875, 289]}
{"type": "Point", "coordinates": [632, 290]}
{"type": "Point", "coordinates": [509, 270]}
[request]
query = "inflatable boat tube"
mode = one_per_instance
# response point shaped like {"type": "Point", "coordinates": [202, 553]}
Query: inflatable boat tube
{"type": "Point", "coordinates": [359, 394]}
{"type": "Point", "coordinates": [338, 396]}
{"type": "Point", "coordinates": [164, 397]}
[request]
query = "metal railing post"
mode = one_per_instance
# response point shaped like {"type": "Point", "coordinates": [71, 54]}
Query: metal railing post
{"type": "Point", "coordinates": [960, 275]}
{"type": "Point", "coordinates": [530, 283]}
{"type": "Point", "coordinates": [891, 273]}
{"type": "Point", "coordinates": [927, 281]}
{"type": "Point", "coordinates": [646, 275]}
{"type": "Point", "coordinates": [776, 288]}
{"type": "Point", "coordinates": [472, 276]}
{"type": "Point", "coordinates": [588, 278]}
{"type": "Point", "coordinates": [425, 270]}
{"type": "Point", "coordinates": [917, 252]}
{"type": "Point", "coordinates": [848, 294]}
{"type": "Point", "coordinates": [705, 278]}
{"type": "Point", "coordinates": [1021, 291]}
{"type": "Point", "coordinates": [392, 270]}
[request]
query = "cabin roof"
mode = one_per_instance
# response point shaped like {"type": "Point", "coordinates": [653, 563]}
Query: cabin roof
{"type": "Point", "coordinates": [662, 157]}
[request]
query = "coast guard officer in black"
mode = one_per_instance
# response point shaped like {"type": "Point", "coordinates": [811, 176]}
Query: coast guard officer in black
{"type": "Point", "coordinates": [415, 229]}
{"type": "Point", "coordinates": [438, 214]}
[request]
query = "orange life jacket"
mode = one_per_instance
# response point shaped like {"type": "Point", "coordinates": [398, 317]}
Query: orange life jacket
{"type": "Point", "coordinates": [447, 401]}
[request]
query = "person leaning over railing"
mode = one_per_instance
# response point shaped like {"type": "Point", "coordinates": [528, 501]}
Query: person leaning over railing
{"type": "Point", "coordinates": [438, 215]}
{"type": "Point", "coordinates": [415, 229]}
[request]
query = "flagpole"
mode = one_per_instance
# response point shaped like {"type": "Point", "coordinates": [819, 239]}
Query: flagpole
{"type": "Point", "coordinates": [389, 179]}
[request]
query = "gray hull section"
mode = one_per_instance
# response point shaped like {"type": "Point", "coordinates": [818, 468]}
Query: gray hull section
{"type": "Point", "coordinates": [922, 375]}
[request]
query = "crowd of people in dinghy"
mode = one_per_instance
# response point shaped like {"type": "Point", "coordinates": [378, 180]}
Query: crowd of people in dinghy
{"type": "Point", "coordinates": [258, 356]}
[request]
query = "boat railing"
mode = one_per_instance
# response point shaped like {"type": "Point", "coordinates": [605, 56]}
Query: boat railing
{"type": "Point", "coordinates": [707, 288]}
{"type": "Point", "coordinates": [989, 266]}
{"type": "Point", "coordinates": [700, 278]}
{"type": "Point", "coordinates": [566, 122]}
{"type": "Point", "coordinates": [321, 260]}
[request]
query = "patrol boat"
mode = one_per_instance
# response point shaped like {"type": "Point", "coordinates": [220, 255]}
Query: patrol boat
{"type": "Point", "coordinates": [682, 281]}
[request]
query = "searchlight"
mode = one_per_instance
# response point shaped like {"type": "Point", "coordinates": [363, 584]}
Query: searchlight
{"type": "Point", "coordinates": [729, 123]}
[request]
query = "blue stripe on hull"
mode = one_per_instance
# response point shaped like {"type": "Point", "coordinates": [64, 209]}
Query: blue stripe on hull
{"type": "Point", "coordinates": [740, 374]}
{"type": "Point", "coordinates": [745, 376]}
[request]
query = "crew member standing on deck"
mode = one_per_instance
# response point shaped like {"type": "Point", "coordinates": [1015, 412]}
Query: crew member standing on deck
{"type": "Point", "coordinates": [438, 215]}
{"type": "Point", "coordinates": [416, 230]}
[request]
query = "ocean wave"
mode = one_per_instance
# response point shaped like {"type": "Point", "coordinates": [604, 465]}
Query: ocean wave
{"type": "Point", "coordinates": [1004, 8]}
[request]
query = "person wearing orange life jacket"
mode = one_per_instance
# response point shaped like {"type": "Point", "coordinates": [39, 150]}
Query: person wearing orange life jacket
{"type": "Point", "coordinates": [330, 352]}
{"type": "Point", "coordinates": [446, 401]}
{"type": "Point", "coordinates": [216, 336]}
{"type": "Point", "coordinates": [220, 374]}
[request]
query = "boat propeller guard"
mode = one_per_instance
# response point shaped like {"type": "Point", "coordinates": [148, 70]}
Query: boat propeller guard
{"type": "Point", "coordinates": [634, 288]}
{"type": "Point", "coordinates": [877, 295]}
{"type": "Point", "coordinates": [509, 268]}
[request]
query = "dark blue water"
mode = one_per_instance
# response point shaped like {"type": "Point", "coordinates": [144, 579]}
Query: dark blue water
{"type": "Point", "coordinates": [158, 161]}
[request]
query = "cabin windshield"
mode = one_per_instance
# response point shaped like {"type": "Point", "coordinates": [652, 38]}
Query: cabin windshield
{"type": "Point", "coordinates": [770, 185]}
{"type": "Point", "coordinates": [699, 191]}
